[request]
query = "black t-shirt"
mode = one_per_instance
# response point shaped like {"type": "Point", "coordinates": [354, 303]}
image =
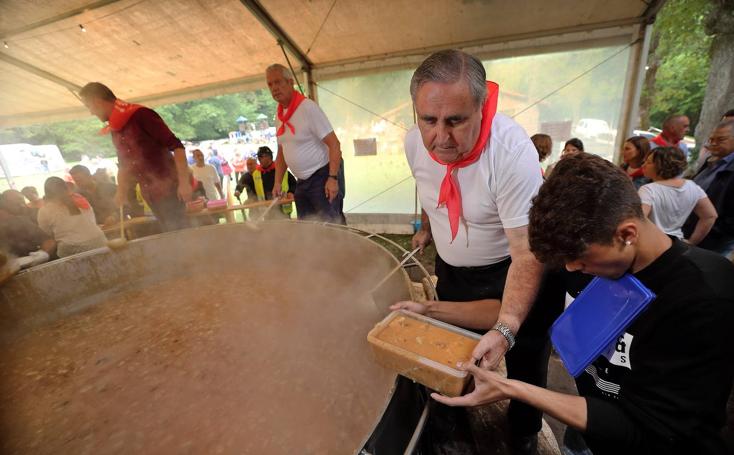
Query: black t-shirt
{"type": "Point", "coordinates": [664, 387]}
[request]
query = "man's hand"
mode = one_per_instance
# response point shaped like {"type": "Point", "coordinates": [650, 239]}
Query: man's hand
{"type": "Point", "coordinates": [490, 349]}
{"type": "Point", "coordinates": [237, 194]}
{"type": "Point", "coordinates": [421, 239]}
{"type": "Point", "coordinates": [331, 189]}
{"type": "Point", "coordinates": [415, 307]}
{"type": "Point", "coordinates": [277, 192]}
{"type": "Point", "coordinates": [489, 387]}
{"type": "Point", "coordinates": [185, 191]}
{"type": "Point", "coordinates": [288, 197]}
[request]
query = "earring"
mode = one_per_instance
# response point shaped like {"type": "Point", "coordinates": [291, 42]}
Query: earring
{"type": "Point", "coordinates": [627, 243]}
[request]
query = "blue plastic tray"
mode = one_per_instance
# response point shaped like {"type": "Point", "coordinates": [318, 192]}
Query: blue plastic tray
{"type": "Point", "coordinates": [596, 319]}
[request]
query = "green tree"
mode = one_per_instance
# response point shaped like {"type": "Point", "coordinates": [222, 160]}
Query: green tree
{"type": "Point", "coordinates": [678, 63]}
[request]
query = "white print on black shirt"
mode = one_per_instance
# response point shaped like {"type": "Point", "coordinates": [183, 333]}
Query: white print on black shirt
{"type": "Point", "coordinates": [619, 353]}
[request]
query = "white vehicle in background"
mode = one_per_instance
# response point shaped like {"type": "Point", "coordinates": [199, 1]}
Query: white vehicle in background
{"type": "Point", "coordinates": [593, 129]}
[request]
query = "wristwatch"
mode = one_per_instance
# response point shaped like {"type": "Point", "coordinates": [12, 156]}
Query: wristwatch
{"type": "Point", "coordinates": [506, 332]}
{"type": "Point", "coordinates": [335, 177]}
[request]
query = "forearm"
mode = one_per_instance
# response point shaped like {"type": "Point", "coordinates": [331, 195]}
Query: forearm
{"type": "Point", "coordinates": [182, 166]}
{"type": "Point", "coordinates": [280, 166]}
{"type": "Point", "coordinates": [703, 227]}
{"type": "Point", "coordinates": [521, 288]}
{"type": "Point", "coordinates": [123, 180]}
{"type": "Point", "coordinates": [335, 153]}
{"type": "Point", "coordinates": [569, 409]}
{"type": "Point", "coordinates": [477, 314]}
{"type": "Point", "coordinates": [219, 188]}
{"type": "Point", "coordinates": [425, 221]}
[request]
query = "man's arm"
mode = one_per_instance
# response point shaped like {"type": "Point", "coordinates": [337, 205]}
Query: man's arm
{"type": "Point", "coordinates": [280, 168]}
{"type": "Point", "coordinates": [521, 288]}
{"type": "Point", "coordinates": [335, 158]}
{"type": "Point", "coordinates": [423, 237]}
{"type": "Point", "coordinates": [124, 183]}
{"type": "Point", "coordinates": [182, 171]}
{"type": "Point", "coordinates": [490, 387]}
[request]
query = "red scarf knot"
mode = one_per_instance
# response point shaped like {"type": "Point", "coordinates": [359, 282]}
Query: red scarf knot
{"type": "Point", "coordinates": [121, 113]}
{"type": "Point", "coordinates": [296, 100]}
{"type": "Point", "coordinates": [450, 192]}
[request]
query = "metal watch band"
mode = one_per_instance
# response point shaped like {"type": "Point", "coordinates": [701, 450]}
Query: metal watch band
{"type": "Point", "coordinates": [506, 332]}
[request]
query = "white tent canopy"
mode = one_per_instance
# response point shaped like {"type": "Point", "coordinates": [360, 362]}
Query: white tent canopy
{"type": "Point", "coordinates": [166, 51]}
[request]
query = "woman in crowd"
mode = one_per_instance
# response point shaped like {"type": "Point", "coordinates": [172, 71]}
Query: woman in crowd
{"type": "Point", "coordinates": [207, 175]}
{"type": "Point", "coordinates": [544, 145]}
{"type": "Point", "coordinates": [634, 154]}
{"type": "Point", "coordinates": [669, 199]}
{"type": "Point", "coordinates": [572, 147]}
{"type": "Point", "coordinates": [69, 219]}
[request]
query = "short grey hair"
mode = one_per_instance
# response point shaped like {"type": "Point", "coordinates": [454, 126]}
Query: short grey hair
{"type": "Point", "coordinates": [450, 66]}
{"type": "Point", "coordinates": [283, 70]}
{"type": "Point", "coordinates": [726, 124]}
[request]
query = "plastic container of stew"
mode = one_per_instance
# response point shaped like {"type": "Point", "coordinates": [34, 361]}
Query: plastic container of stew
{"type": "Point", "coordinates": [424, 350]}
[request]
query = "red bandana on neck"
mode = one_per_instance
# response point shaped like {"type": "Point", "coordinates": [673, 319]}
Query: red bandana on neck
{"type": "Point", "coordinates": [120, 115]}
{"type": "Point", "coordinates": [450, 193]}
{"type": "Point", "coordinates": [266, 169]}
{"type": "Point", "coordinates": [662, 142]}
{"type": "Point", "coordinates": [296, 100]}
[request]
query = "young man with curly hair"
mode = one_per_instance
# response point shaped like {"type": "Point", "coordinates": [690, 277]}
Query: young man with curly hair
{"type": "Point", "coordinates": [669, 396]}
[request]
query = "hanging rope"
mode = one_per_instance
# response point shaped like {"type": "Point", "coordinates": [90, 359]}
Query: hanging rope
{"type": "Point", "coordinates": [579, 76]}
{"type": "Point", "coordinates": [285, 54]}
{"type": "Point", "coordinates": [310, 46]}
{"type": "Point", "coordinates": [399, 125]}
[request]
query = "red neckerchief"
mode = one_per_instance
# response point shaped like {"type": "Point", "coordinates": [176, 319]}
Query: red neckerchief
{"type": "Point", "coordinates": [662, 142]}
{"type": "Point", "coordinates": [120, 115]}
{"type": "Point", "coordinates": [296, 100]}
{"type": "Point", "coordinates": [80, 202]}
{"type": "Point", "coordinates": [263, 170]}
{"type": "Point", "coordinates": [450, 193]}
{"type": "Point", "coordinates": [636, 173]}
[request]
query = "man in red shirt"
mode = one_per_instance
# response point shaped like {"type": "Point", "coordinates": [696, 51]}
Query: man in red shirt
{"type": "Point", "coordinates": [144, 144]}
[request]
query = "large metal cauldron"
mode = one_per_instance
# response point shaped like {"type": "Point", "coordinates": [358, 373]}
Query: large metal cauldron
{"type": "Point", "coordinates": [220, 339]}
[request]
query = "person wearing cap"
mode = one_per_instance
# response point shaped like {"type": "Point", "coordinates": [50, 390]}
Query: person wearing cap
{"type": "Point", "coordinates": [261, 181]}
{"type": "Point", "coordinates": [148, 152]}
{"type": "Point", "coordinates": [308, 147]}
{"type": "Point", "coordinates": [661, 387]}
{"type": "Point", "coordinates": [477, 171]}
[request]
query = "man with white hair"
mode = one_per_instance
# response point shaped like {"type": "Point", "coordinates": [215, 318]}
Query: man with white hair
{"type": "Point", "coordinates": [674, 130]}
{"type": "Point", "coordinates": [477, 172]}
{"type": "Point", "coordinates": [308, 147]}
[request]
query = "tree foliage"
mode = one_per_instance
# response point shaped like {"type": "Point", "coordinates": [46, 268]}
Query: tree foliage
{"type": "Point", "coordinates": [684, 62]}
{"type": "Point", "coordinates": [210, 118]}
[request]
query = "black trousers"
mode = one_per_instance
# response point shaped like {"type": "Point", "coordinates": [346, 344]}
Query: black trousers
{"type": "Point", "coordinates": [311, 200]}
{"type": "Point", "coordinates": [528, 359]}
{"type": "Point", "coordinates": [170, 212]}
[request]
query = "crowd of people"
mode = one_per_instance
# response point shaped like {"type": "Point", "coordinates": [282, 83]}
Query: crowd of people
{"type": "Point", "coordinates": [511, 243]}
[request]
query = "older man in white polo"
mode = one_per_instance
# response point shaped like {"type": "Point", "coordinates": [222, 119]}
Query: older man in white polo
{"type": "Point", "coordinates": [308, 147]}
{"type": "Point", "coordinates": [477, 172]}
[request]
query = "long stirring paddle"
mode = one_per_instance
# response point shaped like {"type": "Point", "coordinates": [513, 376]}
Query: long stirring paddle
{"type": "Point", "coordinates": [117, 244]}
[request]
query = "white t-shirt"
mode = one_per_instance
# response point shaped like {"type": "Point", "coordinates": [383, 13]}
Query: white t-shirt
{"type": "Point", "coordinates": [670, 206]}
{"type": "Point", "coordinates": [496, 192]}
{"type": "Point", "coordinates": [208, 177]}
{"type": "Point", "coordinates": [73, 233]}
{"type": "Point", "coordinates": [304, 152]}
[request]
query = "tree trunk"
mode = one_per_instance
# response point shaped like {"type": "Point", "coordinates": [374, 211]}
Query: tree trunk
{"type": "Point", "coordinates": [720, 89]}
{"type": "Point", "coordinates": [648, 89]}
